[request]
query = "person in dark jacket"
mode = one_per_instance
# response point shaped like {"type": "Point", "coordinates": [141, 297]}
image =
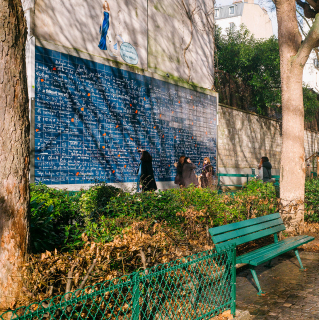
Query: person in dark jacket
{"type": "Point", "coordinates": [179, 171]}
{"type": "Point", "coordinates": [265, 169]}
{"type": "Point", "coordinates": [206, 178]}
{"type": "Point", "coordinates": [188, 173]}
{"type": "Point", "coordinates": [146, 173]}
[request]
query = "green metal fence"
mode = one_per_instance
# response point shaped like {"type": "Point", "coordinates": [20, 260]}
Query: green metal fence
{"type": "Point", "coordinates": [200, 286]}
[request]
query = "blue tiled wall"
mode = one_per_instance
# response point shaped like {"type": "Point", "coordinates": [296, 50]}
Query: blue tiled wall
{"type": "Point", "coordinates": [91, 118]}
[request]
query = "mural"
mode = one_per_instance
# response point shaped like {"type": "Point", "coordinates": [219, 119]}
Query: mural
{"type": "Point", "coordinates": [91, 118]}
{"type": "Point", "coordinates": [163, 36]}
{"type": "Point", "coordinates": [96, 27]}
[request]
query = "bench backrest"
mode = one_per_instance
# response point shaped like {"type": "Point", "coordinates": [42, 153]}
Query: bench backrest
{"type": "Point", "coordinates": [244, 231]}
{"type": "Point", "coordinates": [238, 175]}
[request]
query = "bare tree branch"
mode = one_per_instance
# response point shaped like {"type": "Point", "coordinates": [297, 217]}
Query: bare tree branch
{"type": "Point", "coordinates": [68, 284]}
{"type": "Point", "coordinates": [87, 275]}
{"type": "Point", "coordinates": [190, 18]}
{"type": "Point", "coordinates": [309, 12]}
{"type": "Point", "coordinates": [304, 19]}
{"type": "Point", "coordinates": [310, 42]}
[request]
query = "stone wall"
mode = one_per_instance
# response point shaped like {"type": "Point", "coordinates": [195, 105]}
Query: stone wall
{"type": "Point", "coordinates": [244, 137]}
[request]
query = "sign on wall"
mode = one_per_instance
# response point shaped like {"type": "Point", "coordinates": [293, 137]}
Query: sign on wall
{"type": "Point", "coordinates": [91, 118]}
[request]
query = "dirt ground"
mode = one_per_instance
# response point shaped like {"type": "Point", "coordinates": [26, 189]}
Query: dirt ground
{"type": "Point", "coordinates": [311, 229]}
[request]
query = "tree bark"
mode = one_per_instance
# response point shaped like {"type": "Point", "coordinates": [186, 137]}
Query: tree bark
{"type": "Point", "coordinates": [292, 168]}
{"type": "Point", "coordinates": [14, 151]}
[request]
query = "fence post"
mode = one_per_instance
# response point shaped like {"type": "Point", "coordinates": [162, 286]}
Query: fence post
{"type": "Point", "coordinates": [136, 298]}
{"type": "Point", "coordinates": [233, 291]}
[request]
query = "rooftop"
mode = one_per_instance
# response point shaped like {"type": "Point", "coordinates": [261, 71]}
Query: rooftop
{"type": "Point", "coordinates": [226, 11]}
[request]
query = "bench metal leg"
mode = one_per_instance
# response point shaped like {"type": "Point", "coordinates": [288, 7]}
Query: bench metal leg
{"type": "Point", "coordinates": [268, 265]}
{"type": "Point", "coordinates": [253, 272]}
{"type": "Point", "coordinates": [299, 260]}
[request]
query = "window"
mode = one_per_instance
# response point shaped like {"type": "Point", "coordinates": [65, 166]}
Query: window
{"type": "Point", "coordinates": [232, 10]}
{"type": "Point", "coordinates": [216, 13]}
{"type": "Point", "coordinates": [316, 63]}
{"type": "Point", "coordinates": [232, 26]}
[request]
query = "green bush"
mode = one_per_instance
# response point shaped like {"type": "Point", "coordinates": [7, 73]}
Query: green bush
{"type": "Point", "coordinates": [104, 211]}
{"type": "Point", "coordinates": [255, 200]}
{"type": "Point", "coordinates": [94, 200]}
{"type": "Point", "coordinates": [51, 212]}
{"type": "Point", "coordinates": [65, 204]}
{"type": "Point", "coordinates": [42, 231]}
{"type": "Point", "coordinates": [312, 200]}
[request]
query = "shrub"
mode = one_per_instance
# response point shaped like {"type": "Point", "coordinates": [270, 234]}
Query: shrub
{"type": "Point", "coordinates": [105, 211]}
{"type": "Point", "coordinates": [168, 206]}
{"type": "Point", "coordinates": [312, 200]}
{"type": "Point", "coordinates": [65, 204]}
{"type": "Point", "coordinates": [255, 200]}
{"type": "Point", "coordinates": [51, 212]}
{"type": "Point", "coordinates": [42, 231]}
{"type": "Point", "coordinates": [93, 201]}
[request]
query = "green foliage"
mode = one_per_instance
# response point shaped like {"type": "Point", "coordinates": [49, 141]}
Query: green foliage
{"type": "Point", "coordinates": [105, 211]}
{"type": "Point", "coordinates": [168, 206]}
{"type": "Point", "coordinates": [255, 64]}
{"type": "Point", "coordinates": [312, 200]}
{"type": "Point", "coordinates": [51, 212]}
{"type": "Point", "coordinates": [251, 68]}
{"type": "Point", "coordinates": [311, 103]}
{"type": "Point", "coordinates": [42, 231]}
{"type": "Point", "coordinates": [65, 203]}
{"type": "Point", "coordinates": [93, 201]}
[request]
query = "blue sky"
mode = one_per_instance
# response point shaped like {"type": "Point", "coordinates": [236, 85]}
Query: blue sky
{"type": "Point", "coordinates": [263, 3]}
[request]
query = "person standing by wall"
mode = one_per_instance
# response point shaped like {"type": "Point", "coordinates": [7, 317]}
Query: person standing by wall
{"type": "Point", "coordinates": [179, 171]}
{"type": "Point", "coordinates": [264, 169]}
{"type": "Point", "coordinates": [145, 173]}
{"type": "Point", "coordinates": [188, 174]}
{"type": "Point", "coordinates": [206, 178]}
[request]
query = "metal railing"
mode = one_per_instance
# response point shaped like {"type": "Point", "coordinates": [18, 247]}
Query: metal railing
{"type": "Point", "coordinates": [200, 286]}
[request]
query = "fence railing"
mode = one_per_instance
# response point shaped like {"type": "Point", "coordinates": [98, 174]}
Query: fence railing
{"type": "Point", "coordinates": [200, 286]}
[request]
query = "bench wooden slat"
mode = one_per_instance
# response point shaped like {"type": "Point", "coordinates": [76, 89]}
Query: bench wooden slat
{"type": "Point", "coordinates": [265, 250]}
{"type": "Point", "coordinates": [282, 249]}
{"type": "Point", "coordinates": [242, 224]}
{"type": "Point", "coordinates": [247, 230]}
{"type": "Point", "coordinates": [250, 237]}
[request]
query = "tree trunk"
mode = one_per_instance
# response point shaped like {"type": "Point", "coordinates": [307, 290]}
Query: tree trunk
{"type": "Point", "coordinates": [292, 168]}
{"type": "Point", "coordinates": [14, 151]}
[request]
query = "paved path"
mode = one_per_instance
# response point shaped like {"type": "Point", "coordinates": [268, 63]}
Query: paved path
{"type": "Point", "coordinates": [291, 294]}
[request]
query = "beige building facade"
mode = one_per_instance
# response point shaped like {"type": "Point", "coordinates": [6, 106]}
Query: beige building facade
{"type": "Point", "coordinates": [255, 18]}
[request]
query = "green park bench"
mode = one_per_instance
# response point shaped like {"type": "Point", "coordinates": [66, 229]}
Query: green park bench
{"type": "Point", "coordinates": [237, 233]}
{"type": "Point", "coordinates": [238, 175]}
{"type": "Point", "coordinates": [231, 175]}
{"type": "Point", "coordinates": [276, 184]}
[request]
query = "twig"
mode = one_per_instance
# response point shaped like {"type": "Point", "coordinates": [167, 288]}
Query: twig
{"type": "Point", "coordinates": [87, 275]}
{"type": "Point", "coordinates": [190, 17]}
{"type": "Point", "coordinates": [69, 282]}
{"type": "Point", "coordinates": [143, 258]}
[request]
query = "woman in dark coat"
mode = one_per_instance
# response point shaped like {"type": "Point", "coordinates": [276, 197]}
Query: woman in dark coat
{"type": "Point", "coordinates": [206, 178]}
{"type": "Point", "coordinates": [179, 172]}
{"type": "Point", "coordinates": [147, 179]}
{"type": "Point", "coordinates": [188, 174]}
{"type": "Point", "coordinates": [265, 169]}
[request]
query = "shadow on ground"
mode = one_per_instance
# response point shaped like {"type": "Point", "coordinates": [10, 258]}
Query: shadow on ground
{"type": "Point", "coordinates": [291, 293]}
